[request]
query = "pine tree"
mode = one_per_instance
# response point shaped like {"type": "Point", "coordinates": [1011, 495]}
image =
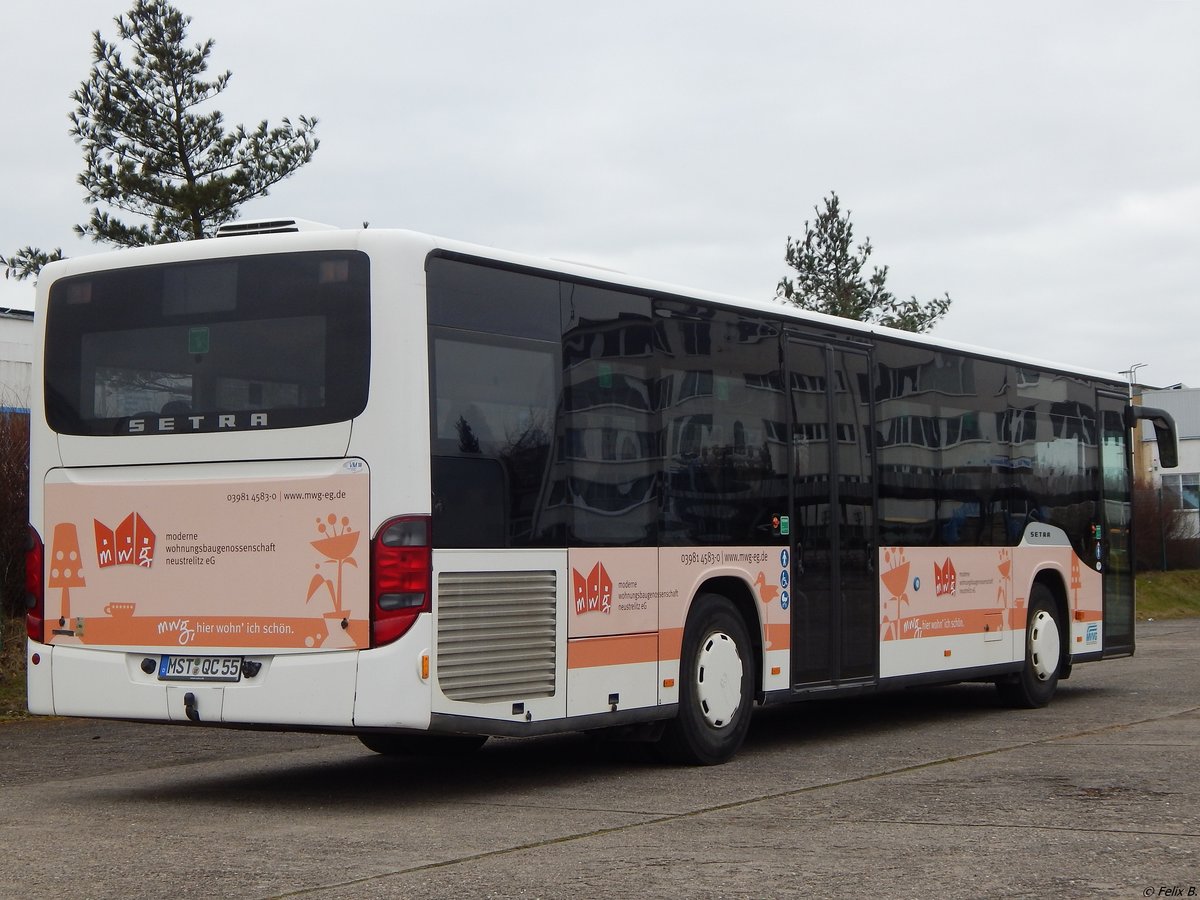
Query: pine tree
{"type": "Point", "coordinates": [829, 277]}
{"type": "Point", "coordinates": [150, 152]}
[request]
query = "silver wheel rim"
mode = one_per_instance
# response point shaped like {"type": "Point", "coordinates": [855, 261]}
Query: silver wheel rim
{"type": "Point", "coordinates": [719, 679]}
{"type": "Point", "coordinates": [1044, 646]}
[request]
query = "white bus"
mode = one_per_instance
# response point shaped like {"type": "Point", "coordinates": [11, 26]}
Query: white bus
{"type": "Point", "coordinates": [424, 492]}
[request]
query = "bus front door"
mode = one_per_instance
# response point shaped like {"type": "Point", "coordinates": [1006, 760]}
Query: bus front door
{"type": "Point", "coordinates": [1115, 554]}
{"type": "Point", "coordinates": [835, 623]}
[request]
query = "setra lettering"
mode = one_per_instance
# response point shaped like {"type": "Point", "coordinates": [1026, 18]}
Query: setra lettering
{"type": "Point", "coordinates": [175, 424]}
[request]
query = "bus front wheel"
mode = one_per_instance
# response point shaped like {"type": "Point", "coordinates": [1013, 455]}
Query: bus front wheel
{"type": "Point", "coordinates": [715, 686]}
{"type": "Point", "coordinates": [1038, 679]}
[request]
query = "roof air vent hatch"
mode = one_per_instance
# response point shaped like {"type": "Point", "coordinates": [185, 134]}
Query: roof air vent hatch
{"type": "Point", "coordinates": [270, 226]}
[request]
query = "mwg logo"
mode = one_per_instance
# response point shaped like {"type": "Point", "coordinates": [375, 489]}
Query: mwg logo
{"type": "Point", "coordinates": [131, 543]}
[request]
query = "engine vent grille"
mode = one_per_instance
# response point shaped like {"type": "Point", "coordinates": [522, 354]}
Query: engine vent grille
{"type": "Point", "coordinates": [496, 635]}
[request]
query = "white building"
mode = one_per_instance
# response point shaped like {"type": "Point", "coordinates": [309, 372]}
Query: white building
{"type": "Point", "coordinates": [16, 359]}
{"type": "Point", "coordinates": [1183, 404]}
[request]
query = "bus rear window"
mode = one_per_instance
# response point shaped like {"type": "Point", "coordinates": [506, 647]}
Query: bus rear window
{"type": "Point", "coordinates": [273, 341]}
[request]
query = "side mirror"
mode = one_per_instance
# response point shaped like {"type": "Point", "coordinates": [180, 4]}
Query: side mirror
{"type": "Point", "coordinates": [1164, 431]}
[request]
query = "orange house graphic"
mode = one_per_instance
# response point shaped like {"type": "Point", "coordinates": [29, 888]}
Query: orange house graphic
{"type": "Point", "coordinates": [130, 544]}
{"type": "Point", "coordinates": [945, 579]}
{"type": "Point", "coordinates": [593, 592]}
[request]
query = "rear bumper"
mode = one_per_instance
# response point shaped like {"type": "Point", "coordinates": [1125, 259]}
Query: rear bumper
{"type": "Point", "coordinates": [333, 689]}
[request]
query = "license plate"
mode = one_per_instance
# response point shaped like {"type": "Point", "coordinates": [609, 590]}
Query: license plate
{"type": "Point", "coordinates": [200, 668]}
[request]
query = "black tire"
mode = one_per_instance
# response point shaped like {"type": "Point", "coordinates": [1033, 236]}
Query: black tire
{"type": "Point", "coordinates": [422, 744]}
{"type": "Point", "coordinates": [1044, 644]}
{"type": "Point", "coordinates": [716, 684]}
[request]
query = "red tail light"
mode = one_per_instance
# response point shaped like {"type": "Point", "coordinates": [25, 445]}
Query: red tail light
{"type": "Point", "coordinates": [35, 594]}
{"type": "Point", "coordinates": [401, 577]}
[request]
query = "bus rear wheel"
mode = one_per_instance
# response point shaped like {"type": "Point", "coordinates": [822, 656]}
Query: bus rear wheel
{"type": "Point", "coordinates": [715, 686]}
{"type": "Point", "coordinates": [422, 744]}
{"type": "Point", "coordinates": [1038, 679]}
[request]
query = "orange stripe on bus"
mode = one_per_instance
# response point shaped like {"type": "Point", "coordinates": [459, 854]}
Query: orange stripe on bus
{"type": "Point", "coordinates": [219, 631]}
{"type": "Point", "coordinates": [670, 640]}
{"type": "Point", "coordinates": [584, 653]}
{"type": "Point", "coordinates": [670, 643]}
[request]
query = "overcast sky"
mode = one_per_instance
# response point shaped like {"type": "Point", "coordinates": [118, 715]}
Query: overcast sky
{"type": "Point", "coordinates": [1040, 162]}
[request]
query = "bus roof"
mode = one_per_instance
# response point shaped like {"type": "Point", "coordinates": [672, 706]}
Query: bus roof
{"type": "Point", "coordinates": [315, 236]}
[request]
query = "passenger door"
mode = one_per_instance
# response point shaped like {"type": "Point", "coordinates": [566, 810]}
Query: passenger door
{"type": "Point", "coordinates": [1114, 550]}
{"type": "Point", "coordinates": [832, 525]}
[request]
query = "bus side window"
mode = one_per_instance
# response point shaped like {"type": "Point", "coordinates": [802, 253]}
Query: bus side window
{"type": "Point", "coordinates": [470, 501]}
{"type": "Point", "coordinates": [494, 408]}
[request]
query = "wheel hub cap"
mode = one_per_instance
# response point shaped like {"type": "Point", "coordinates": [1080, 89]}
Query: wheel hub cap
{"type": "Point", "coordinates": [1044, 645]}
{"type": "Point", "coordinates": [719, 679]}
